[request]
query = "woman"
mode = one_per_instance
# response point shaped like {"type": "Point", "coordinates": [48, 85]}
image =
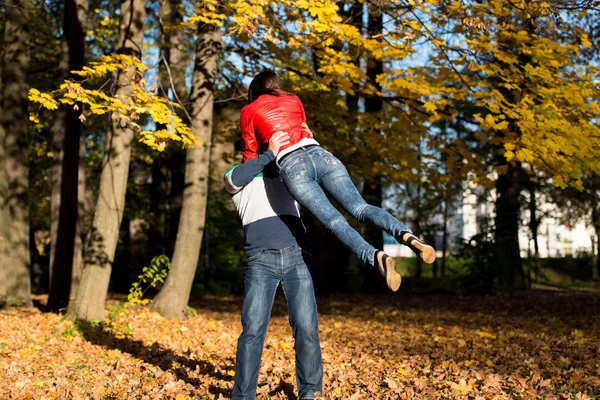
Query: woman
{"type": "Point", "coordinates": [306, 169]}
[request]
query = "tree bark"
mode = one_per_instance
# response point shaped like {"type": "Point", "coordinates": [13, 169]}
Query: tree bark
{"type": "Point", "coordinates": [372, 190]}
{"type": "Point", "coordinates": [16, 67]}
{"type": "Point", "coordinates": [595, 251]}
{"type": "Point", "coordinates": [4, 215]}
{"type": "Point", "coordinates": [102, 239]}
{"type": "Point", "coordinates": [508, 256]}
{"type": "Point", "coordinates": [65, 164]}
{"type": "Point", "coordinates": [533, 226]}
{"type": "Point", "coordinates": [174, 296]}
{"type": "Point", "coordinates": [445, 234]}
{"type": "Point", "coordinates": [174, 53]}
{"type": "Point", "coordinates": [80, 229]}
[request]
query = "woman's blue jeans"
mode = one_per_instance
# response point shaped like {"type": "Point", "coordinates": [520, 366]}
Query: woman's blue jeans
{"type": "Point", "coordinates": [307, 171]}
{"type": "Point", "coordinates": [266, 268]}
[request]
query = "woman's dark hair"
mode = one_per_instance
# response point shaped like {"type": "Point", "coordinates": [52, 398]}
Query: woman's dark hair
{"type": "Point", "coordinates": [266, 82]}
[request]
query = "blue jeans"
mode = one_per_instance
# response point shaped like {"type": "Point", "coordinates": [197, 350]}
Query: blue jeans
{"type": "Point", "coordinates": [306, 171]}
{"type": "Point", "coordinates": [266, 268]}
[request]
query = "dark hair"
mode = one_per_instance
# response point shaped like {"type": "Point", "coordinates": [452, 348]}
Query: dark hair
{"type": "Point", "coordinates": [266, 82]}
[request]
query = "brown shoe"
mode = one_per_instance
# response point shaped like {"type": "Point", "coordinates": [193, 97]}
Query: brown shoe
{"type": "Point", "coordinates": [387, 268]}
{"type": "Point", "coordinates": [424, 251]}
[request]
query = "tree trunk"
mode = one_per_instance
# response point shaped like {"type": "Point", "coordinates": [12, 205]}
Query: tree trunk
{"type": "Point", "coordinates": [65, 164]}
{"type": "Point", "coordinates": [174, 296]}
{"type": "Point", "coordinates": [373, 283]}
{"type": "Point", "coordinates": [445, 236]}
{"type": "Point", "coordinates": [102, 239]}
{"type": "Point", "coordinates": [176, 166]}
{"type": "Point", "coordinates": [16, 66]}
{"type": "Point", "coordinates": [158, 200]}
{"type": "Point", "coordinates": [372, 191]}
{"type": "Point", "coordinates": [171, 78]}
{"type": "Point", "coordinates": [508, 266]}
{"type": "Point", "coordinates": [80, 230]}
{"type": "Point", "coordinates": [4, 215]}
{"type": "Point", "coordinates": [533, 226]}
{"type": "Point", "coordinates": [595, 251]}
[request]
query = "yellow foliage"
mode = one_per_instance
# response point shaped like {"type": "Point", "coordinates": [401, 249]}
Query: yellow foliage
{"type": "Point", "coordinates": [140, 101]}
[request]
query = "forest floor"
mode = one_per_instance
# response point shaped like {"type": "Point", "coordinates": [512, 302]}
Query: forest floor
{"type": "Point", "coordinates": [533, 345]}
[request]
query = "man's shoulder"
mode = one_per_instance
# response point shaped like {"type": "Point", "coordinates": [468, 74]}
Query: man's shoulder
{"type": "Point", "coordinates": [229, 170]}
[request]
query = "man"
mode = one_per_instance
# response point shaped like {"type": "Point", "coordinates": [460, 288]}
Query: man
{"type": "Point", "coordinates": [274, 239]}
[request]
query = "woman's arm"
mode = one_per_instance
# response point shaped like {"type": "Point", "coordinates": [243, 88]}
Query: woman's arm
{"type": "Point", "coordinates": [250, 144]}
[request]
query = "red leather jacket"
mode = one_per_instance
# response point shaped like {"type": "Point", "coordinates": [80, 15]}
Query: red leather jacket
{"type": "Point", "coordinates": [268, 114]}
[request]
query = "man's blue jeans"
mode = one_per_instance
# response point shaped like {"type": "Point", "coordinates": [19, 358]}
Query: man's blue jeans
{"type": "Point", "coordinates": [266, 268]}
{"type": "Point", "coordinates": [307, 171]}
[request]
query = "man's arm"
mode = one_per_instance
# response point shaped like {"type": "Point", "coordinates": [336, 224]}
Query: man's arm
{"type": "Point", "coordinates": [240, 175]}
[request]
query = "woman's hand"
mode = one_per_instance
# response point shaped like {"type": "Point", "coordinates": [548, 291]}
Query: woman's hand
{"type": "Point", "coordinates": [278, 140]}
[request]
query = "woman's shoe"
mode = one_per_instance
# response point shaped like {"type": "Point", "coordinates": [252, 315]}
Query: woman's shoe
{"type": "Point", "coordinates": [424, 251]}
{"type": "Point", "coordinates": [387, 268]}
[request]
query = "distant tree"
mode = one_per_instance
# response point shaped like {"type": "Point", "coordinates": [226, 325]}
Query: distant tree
{"type": "Point", "coordinates": [16, 264]}
{"type": "Point", "coordinates": [65, 207]}
{"type": "Point", "coordinates": [102, 240]}
{"type": "Point", "coordinates": [175, 293]}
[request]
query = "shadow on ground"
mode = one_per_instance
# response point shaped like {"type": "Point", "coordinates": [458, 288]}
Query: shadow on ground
{"type": "Point", "coordinates": [154, 354]}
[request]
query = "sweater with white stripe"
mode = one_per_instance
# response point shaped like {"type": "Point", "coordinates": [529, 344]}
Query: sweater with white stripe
{"type": "Point", "coordinates": [270, 215]}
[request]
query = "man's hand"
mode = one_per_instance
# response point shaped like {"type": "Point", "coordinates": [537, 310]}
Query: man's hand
{"type": "Point", "coordinates": [278, 140]}
{"type": "Point", "coordinates": [305, 127]}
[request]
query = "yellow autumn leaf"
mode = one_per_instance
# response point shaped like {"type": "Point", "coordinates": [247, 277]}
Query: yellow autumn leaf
{"type": "Point", "coordinates": [462, 387]}
{"type": "Point", "coordinates": [487, 335]}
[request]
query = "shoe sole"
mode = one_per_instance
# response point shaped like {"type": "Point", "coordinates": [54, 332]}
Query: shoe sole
{"type": "Point", "coordinates": [392, 277]}
{"type": "Point", "coordinates": [424, 251]}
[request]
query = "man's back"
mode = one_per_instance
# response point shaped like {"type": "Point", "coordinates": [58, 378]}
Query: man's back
{"type": "Point", "coordinates": [269, 214]}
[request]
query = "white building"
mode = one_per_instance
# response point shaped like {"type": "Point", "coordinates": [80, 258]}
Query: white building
{"type": "Point", "coordinates": [555, 239]}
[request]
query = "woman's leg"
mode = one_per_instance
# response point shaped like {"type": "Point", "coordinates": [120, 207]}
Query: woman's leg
{"type": "Point", "coordinates": [334, 177]}
{"type": "Point", "coordinates": [299, 175]}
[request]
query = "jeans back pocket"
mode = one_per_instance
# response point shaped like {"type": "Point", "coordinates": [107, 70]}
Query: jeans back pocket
{"type": "Point", "coordinates": [329, 158]}
{"type": "Point", "coordinates": [296, 171]}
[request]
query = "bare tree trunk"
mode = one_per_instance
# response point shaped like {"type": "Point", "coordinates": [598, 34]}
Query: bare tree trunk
{"type": "Point", "coordinates": [4, 215]}
{"type": "Point", "coordinates": [596, 252]}
{"type": "Point", "coordinates": [80, 232]}
{"type": "Point", "coordinates": [65, 165]}
{"type": "Point", "coordinates": [102, 239]}
{"type": "Point", "coordinates": [171, 78]}
{"type": "Point", "coordinates": [445, 236]}
{"type": "Point", "coordinates": [508, 257]}
{"type": "Point", "coordinates": [372, 191]}
{"type": "Point", "coordinates": [595, 272]}
{"type": "Point", "coordinates": [220, 151]}
{"type": "Point", "coordinates": [533, 226]}
{"type": "Point", "coordinates": [16, 66]}
{"type": "Point", "coordinates": [174, 296]}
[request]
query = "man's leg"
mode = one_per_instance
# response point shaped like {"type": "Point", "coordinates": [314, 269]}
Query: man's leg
{"type": "Point", "coordinates": [302, 308]}
{"type": "Point", "coordinates": [260, 286]}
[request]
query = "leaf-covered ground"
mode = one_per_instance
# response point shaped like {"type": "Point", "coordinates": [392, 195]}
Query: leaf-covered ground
{"type": "Point", "coordinates": [530, 346]}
